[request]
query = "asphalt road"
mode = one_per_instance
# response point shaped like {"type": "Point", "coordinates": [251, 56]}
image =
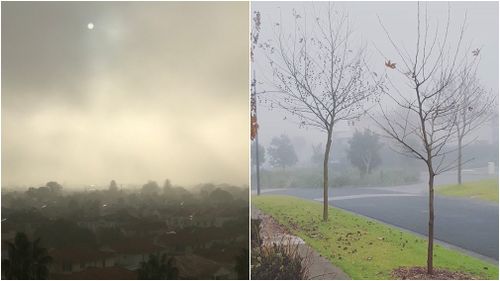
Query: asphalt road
{"type": "Point", "coordinates": [465, 223]}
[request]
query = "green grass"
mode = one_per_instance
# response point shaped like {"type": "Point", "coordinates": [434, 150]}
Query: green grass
{"type": "Point", "coordinates": [363, 248]}
{"type": "Point", "coordinates": [484, 189]}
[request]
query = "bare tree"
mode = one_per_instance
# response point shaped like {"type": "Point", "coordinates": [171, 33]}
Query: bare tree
{"type": "Point", "coordinates": [320, 78]}
{"type": "Point", "coordinates": [426, 100]}
{"type": "Point", "coordinates": [476, 108]}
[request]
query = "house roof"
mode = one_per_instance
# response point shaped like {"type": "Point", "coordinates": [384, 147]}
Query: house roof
{"type": "Point", "coordinates": [196, 267]}
{"type": "Point", "coordinates": [227, 256]}
{"type": "Point", "coordinates": [146, 226]}
{"type": "Point", "coordinates": [197, 236]}
{"type": "Point", "coordinates": [78, 254]}
{"type": "Point", "coordinates": [177, 239]}
{"type": "Point", "coordinates": [8, 226]}
{"type": "Point", "coordinates": [116, 216]}
{"type": "Point", "coordinates": [94, 273]}
{"type": "Point", "coordinates": [134, 246]}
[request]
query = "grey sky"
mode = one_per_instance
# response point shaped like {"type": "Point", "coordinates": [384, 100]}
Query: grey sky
{"type": "Point", "coordinates": [400, 20]}
{"type": "Point", "coordinates": [155, 90]}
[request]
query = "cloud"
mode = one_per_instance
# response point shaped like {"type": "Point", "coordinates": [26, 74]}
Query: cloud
{"type": "Point", "coordinates": [155, 90]}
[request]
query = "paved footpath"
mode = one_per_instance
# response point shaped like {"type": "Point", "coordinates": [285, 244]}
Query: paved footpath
{"type": "Point", "coordinates": [319, 267]}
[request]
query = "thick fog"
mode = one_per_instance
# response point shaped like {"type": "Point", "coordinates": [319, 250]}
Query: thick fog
{"type": "Point", "coordinates": [153, 91]}
{"type": "Point", "coordinates": [400, 20]}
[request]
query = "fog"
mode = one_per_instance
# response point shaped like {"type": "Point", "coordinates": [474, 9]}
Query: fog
{"type": "Point", "coordinates": [400, 20]}
{"type": "Point", "coordinates": [153, 91]}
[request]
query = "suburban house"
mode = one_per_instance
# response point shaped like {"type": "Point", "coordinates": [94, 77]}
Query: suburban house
{"type": "Point", "coordinates": [196, 267]}
{"type": "Point", "coordinates": [75, 259]}
{"type": "Point", "coordinates": [99, 273]}
{"type": "Point", "coordinates": [129, 253]}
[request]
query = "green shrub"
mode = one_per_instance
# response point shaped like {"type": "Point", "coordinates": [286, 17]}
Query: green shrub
{"type": "Point", "coordinates": [339, 177]}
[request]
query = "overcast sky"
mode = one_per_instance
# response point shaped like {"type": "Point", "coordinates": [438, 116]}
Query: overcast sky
{"type": "Point", "coordinates": [155, 90]}
{"type": "Point", "coordinates": [400, 20]}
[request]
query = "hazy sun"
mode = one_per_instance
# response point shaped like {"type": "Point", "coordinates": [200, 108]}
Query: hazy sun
{"type": "Point", "coordinates": [90, 26]}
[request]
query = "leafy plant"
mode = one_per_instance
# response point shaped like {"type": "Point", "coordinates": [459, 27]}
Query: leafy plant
{"type": "Point", "coordinates": [279, 261]}
{"type": "Point", "coordinates": [158, 267]}
{"type": "Point", "coordinates": [26, 259]}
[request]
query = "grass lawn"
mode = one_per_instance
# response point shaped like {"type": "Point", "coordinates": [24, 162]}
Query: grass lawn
{"type": "Point", "coordinates": [363, 248]}
{"type": "Point", "coordinates": [483, 189]}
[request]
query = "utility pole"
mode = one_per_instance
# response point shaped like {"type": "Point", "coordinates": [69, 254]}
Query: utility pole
{"type": "Point", "coordinates": [257, 160]}
{"type": "Point", "coordinates": [253, 99]}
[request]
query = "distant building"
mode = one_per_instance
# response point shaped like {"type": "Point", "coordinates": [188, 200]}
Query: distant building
{"type": "Point", "coordinates": [129, 253]}
{"type": "Point", "coordinates": [196, 267]}
{"type": "Point", "coordinates": [76, 259]}
{"type": "Point", "coordinates": [99, 273]}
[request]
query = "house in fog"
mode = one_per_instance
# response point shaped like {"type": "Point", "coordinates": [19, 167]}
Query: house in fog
{"type": "Point", "coordinates": [144, 228]}
{"type": "Point", "coordinates": [99, 273]}
{"type": "Point", "coordinates": [197, 267]}
{"type": "Point", "coordinates": [129, 253]}
{"type": "Point", "coordinates": [75, 259]}
{"type": "Point", "coordinates": [177, 243]}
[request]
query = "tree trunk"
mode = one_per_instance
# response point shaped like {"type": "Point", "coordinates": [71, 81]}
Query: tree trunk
{"type": "Point", "coordinates": [459, 172]}
{"type": "Point", "coordinates": [257, 160]}
{"type": "Point", "coordinates": [325, 175]}
{"type": "Point", "coordinates": [430, 238]}
{"type": "Point", "coordinates": [368, 167]}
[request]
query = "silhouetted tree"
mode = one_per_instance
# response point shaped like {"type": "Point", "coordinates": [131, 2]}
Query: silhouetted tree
{"type": "Point", "coordinates": [241, 266]}
{"type": "Point", "coordinates": [54, 187]}
{"type": "Point", "coordinates": [150, 188]}
{"type": "Point", "coordinates": [476, 108]}
{"type": "Point", "coordinates": [281, 152]}
{"type": "Point", "coordinates": [75, 211]}
{"type": "Point", "coordinates": [183, 194]}
{"type": "Point", "coordinates": [26, 259]}
{"type": "Point", "coordinates": [167, 185]}
{"type": "Point", "coordinates": [112, 186]}
{"type": "Point", "coordinates": [206, 189]}
{"type": "Point", "coordinates": [93, 208]}
{"type": "Point", "coordinates": [42, 194]}
{"type": "Point", "coordinates": [220, 196]}
{"type": "Point", "coordinates": [158, 267]}
{"type": "Point", "coordinates": [63, 233]}
{"type": "Point", "coordinates": [363, 151]}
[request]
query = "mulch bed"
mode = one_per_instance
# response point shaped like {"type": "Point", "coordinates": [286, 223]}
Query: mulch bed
{"type": "Point", "coordinates": [420, 273]}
